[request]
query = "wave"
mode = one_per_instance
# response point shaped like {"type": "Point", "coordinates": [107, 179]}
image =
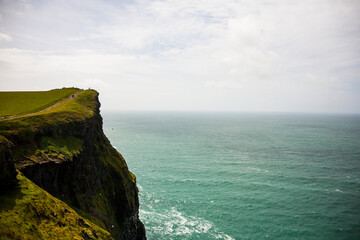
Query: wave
{"type": "Point", "coordinates": [173, 223]}
{"type": "Point", "coordinates": [163, 222]}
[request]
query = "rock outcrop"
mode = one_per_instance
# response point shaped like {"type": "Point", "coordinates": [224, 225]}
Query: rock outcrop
{"type": "Point", "coordinates": [7, 169]}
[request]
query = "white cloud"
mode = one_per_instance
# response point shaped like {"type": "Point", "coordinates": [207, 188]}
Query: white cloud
{"type": "Point", "coordinates": [5, 37]}
{"type": "Point", "coordinates": [195, 55]}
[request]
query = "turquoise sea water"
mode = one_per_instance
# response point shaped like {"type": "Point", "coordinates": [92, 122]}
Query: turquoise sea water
{"type": "Point", "coordinates": [242, 175]}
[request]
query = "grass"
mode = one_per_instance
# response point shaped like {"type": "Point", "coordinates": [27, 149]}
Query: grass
{"type": "Point", "coordinates": [78, 109]}
{"type": "Point", "coordinates": [63, 148]}
{"type": "Point", "coordinates": [54, 149]}
{"type": "Point", "coordinates": [29, 212]}
{"type": "Point", "coordinates": [84, 104]}
{"type": "Point", "coordinates": [16, 103]}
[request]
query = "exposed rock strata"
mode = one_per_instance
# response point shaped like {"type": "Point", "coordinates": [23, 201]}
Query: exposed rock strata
{"type": "Point", "coordinates": [7, 168]}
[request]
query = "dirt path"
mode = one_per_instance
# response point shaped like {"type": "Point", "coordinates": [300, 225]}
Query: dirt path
{"type": "Point", "coordinates": [71, 97]}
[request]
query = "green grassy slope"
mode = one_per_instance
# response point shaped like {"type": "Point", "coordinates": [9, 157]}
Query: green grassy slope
{"type": "Point", "coordinates": [15, 103]}
{"type": "Point", "coordinates": [28, 212]}
{"type": "Point", "coordinates": [77, 109]}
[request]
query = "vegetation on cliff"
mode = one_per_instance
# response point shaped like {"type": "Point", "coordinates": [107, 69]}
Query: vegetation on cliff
{"type": "Point", "coordinates": [7, 169]}
{"type": "Point", "coordinates": [64, 151]}
{"type": "Point", "coordinates": [28, 212]}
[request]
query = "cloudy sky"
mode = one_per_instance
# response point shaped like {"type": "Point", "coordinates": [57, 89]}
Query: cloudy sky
{"type": "Point", "coordinates": [203, 55]}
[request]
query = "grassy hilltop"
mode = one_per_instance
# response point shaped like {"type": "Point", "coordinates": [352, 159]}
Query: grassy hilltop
{"type": "Point", "coordinates": [70, 109]}
{"type": "Point", "coordinates": [15, 103]}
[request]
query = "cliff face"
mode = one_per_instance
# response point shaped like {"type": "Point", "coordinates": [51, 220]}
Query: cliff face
{"type": "Point", "coordinates": [7, 168]}
{"type": "Point", "coordinates": [72, 159]}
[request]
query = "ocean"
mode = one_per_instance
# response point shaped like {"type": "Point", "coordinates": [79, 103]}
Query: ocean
{"type": "Point", "coordinates": [242, 175]}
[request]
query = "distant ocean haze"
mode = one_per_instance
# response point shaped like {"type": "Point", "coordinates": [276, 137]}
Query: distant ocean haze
{"type": "Point", "coordinates": [242, 175]}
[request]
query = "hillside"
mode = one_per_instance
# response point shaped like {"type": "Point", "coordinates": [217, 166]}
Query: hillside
{"type": "Point", "coordinates": [30, 212]}
{"type": "Point", "coordinates": [63, 150]}
{"type": "Point", "coordinates": [18, 103]}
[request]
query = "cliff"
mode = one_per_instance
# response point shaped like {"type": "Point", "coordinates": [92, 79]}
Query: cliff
{"type": "Point", "coordinates": [64, 151]}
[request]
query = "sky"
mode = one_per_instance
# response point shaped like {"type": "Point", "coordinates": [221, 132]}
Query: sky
{"type": "Point", "coordinates": [186, 55]}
